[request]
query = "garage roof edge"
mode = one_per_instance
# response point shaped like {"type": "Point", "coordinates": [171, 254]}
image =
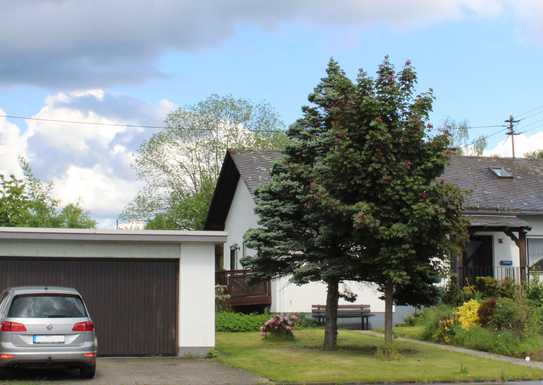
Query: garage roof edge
{"type": "Point", "coordinates": [169, 236]}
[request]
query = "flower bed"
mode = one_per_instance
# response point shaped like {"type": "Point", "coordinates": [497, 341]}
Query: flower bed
{"type": "Point", "coordinates": [498, 317]}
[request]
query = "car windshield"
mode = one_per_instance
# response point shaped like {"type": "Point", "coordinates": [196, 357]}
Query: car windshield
{"type": "Point", "coordinates": [47, 306]}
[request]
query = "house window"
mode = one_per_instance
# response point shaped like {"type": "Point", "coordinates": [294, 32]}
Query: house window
{"type": "Point", "coordinates": [501, 172]}
{"type": "Point", "coordinates": [234, 257]}
{"type": "Point", "coordinates": [535, 253]}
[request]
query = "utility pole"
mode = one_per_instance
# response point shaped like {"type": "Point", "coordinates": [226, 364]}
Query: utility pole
{"type": "Point", "coordinates": [510, 124]}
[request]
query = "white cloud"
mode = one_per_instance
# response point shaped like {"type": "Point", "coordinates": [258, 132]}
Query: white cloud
{"type": "Point", "coordinates": [523, 143]}
{"type": "Point", "coordinates": [90, 164]}
{"type": "Point", "coordinates": [12, 146]}
{"type": "Point", "coordinates": [95, 43]}
{"type": "Point", "coordinates": [97, 189]}
{"type": "Point", "coordinates": [73, 137]}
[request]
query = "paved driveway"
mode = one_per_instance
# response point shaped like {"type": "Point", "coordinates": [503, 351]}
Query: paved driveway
{"type": "Point", "coordinates": [144, 371]}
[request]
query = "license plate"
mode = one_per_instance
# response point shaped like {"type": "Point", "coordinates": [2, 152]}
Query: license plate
{"type": "Point", "coordinates": [48, 339]}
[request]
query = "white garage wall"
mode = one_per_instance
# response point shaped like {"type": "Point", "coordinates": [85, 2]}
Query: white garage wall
{"type": "Point", "coordinates": [196, 299]}
{"type": "Point", "coordinates": [87, 249]}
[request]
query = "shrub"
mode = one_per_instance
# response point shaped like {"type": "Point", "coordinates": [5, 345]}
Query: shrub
{"type": "Point", "coordinates": [507, 288]}
{"type": "Point", "coordinates": [486, 311]}
{"type": "Point", "coordinates": [453, 294]}
{"type": "Point", "coordinates": [511, 315]}
{"type": "Point", "coordinates": [534, 292]}
{"type": "Point", "coordinates": [486, 286]}
{"type": "Point", "coordinates": [279, 327]}
{"type": "Point", "coordinates": [467, 314]}
{"type": "Point", "coordinates": [239, 322]}
{"type": "Point", "coordinates": [503, 342]}
{"type": "Point", "coordinates": [445, 331]}
{"type": "Point", "coordinates": [429, 319]}
{"type": "Point", "coordinates": [222, 298]}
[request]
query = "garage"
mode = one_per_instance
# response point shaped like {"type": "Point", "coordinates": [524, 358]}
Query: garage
{"type": "Point", "coordinates": [148, 292]}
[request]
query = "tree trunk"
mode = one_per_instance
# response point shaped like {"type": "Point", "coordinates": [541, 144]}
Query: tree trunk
{"type": "Point", "coordinates": [389, 294]}
{"type": "Point", "coordinates": [330, 329]}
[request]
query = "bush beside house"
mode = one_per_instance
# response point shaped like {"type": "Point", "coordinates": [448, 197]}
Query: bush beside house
{"type": "Point", "coordinates": [488, 315]}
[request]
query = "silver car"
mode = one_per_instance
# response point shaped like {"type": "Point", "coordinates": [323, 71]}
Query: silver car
{"type": "Point", "coordinates": [46, 326]}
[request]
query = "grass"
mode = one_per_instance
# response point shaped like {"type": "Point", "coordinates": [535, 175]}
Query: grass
{"type": "Point", "coordinates": [303, 361]}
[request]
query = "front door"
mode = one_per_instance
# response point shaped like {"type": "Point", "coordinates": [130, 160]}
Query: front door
{"type": "Point", "coordinates": [478, 257]}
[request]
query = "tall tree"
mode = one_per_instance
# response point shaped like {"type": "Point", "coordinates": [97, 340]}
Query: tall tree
{"type": "Point", "coordinates": [402, 216]}
{"type": "Point", "coordinates": [29, 202]}
{"type": "Point", "coordinates": [459, 138]}
{"type": "Point", "coordinates": [537, 154]}
{"type": "Point", "coordinates": [180, 163]}
{"type": "Point", "coordinates": [299, 235]}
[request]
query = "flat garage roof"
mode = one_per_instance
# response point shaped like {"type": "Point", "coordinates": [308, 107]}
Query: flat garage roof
{"type": "Point", "coordinates": [165, 236]}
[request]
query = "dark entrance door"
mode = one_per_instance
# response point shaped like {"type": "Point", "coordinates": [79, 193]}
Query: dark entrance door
{"type": "Point", "coordinates": [132, 302]}
{"type": "Point", "coordinates": [478, 257]}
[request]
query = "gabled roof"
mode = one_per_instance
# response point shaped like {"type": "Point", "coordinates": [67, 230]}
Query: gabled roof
{"type": "Point", "coordinates": [254, 168]}
{"type": "Point", "coordinates": [487, 193]}
{"type": "Point", "coordinates": [520, 194]}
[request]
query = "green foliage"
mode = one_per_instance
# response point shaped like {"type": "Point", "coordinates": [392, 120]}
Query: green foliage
{"type": "Point", "coordinates": [453, 295]}
{"type": "Point", "coordinates": [28, 202]}
{"type": "Point", "coordinates": [222, 298]}
{"type": "Point", "coordinates": [537, 154]}
{"type": "Point", "coordinates": [239, 322]}
{"type": "Point", "coordinates": [505, 326]}
{"type": "Point", "coordinates": [504, 342]}
{"type": "Point", "coordinates": [180, 164]}
{"type": "Point", "coordinates": [365, 222]}
{"type": "Point", "coordinates": [512, 315]}
{"type": "Point", "coordinates": [534, 292]}
{"type": "Point", "coordinates": [185, 211]}
{"type": "Point", "coordinates": [429, 318]}
{"type": "Point", "coordinates": [486, 311]}
{"type": "Point", "coordinates": [486, 286]}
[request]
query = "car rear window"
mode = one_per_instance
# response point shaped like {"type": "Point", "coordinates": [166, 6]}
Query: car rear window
{"type": "Point", "coordinates": [47, 306]}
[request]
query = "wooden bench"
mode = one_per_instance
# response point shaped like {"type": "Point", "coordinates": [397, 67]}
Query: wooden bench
{"type": "Point", "coordinates": [345, 311]}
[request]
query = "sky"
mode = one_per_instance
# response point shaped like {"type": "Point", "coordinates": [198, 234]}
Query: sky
{"type": "Point", "coordinates": [134, 61]}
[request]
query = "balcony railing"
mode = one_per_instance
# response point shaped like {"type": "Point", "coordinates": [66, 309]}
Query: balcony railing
{"type": "Point", "coordinates": [514, 273]}
{"type": "Point", "coordinates": [242, 291]}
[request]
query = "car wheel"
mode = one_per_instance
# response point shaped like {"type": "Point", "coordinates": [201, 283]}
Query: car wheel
{"type": "Point", "coordinates": [5, 373]}
{"type": "Point", "coordinates": [87, 372]}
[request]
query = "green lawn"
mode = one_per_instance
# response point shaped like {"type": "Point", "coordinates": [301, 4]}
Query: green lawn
{"type": "Point", "coordinates": [303, 361]}
{"type": "Point", "coordinates": [414, 332]}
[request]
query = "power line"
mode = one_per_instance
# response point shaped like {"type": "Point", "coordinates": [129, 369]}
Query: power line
{"type": "Point", "coordinates": [487, 126]}
{"type": "Point", "coordinates": [525, 114]}
{"type": "Point", "coordinates": [131, 125]}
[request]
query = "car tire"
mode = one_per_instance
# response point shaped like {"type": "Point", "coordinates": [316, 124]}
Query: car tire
{"type": "Point", "coordinates": [87, 372]}
{"type": "Point", "coordinates": [5, 373]}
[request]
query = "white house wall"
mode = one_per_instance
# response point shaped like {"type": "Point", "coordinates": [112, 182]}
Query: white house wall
{"type": "Point", "coordinates": [241, 217]}
{"type": "Point", "coordinates": [288, 297]}
{"type": "Point", "coordinates": [505, 249]}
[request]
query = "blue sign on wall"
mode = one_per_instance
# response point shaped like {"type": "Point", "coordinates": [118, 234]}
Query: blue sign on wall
{"type": "Point", "coordinates": [506, 262]}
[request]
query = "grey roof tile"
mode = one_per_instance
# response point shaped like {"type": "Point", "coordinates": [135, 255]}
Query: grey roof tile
{"type": "Point", "coordinates": [254, 166]}
{"type": "Point", "coordinates": [486, 192]}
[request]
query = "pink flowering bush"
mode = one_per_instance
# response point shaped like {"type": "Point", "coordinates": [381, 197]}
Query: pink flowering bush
{"type": "Point", "coordinates": [279, 326]}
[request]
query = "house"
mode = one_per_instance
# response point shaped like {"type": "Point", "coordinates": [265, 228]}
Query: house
{"type": "Point", "coordinates": [504, 204]}
{"type": "Point", "coordinates": [148, 292]}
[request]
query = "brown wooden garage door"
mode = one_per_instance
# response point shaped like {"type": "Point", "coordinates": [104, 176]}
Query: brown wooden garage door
{"type": "Point", "coordinates": [132, 302]}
